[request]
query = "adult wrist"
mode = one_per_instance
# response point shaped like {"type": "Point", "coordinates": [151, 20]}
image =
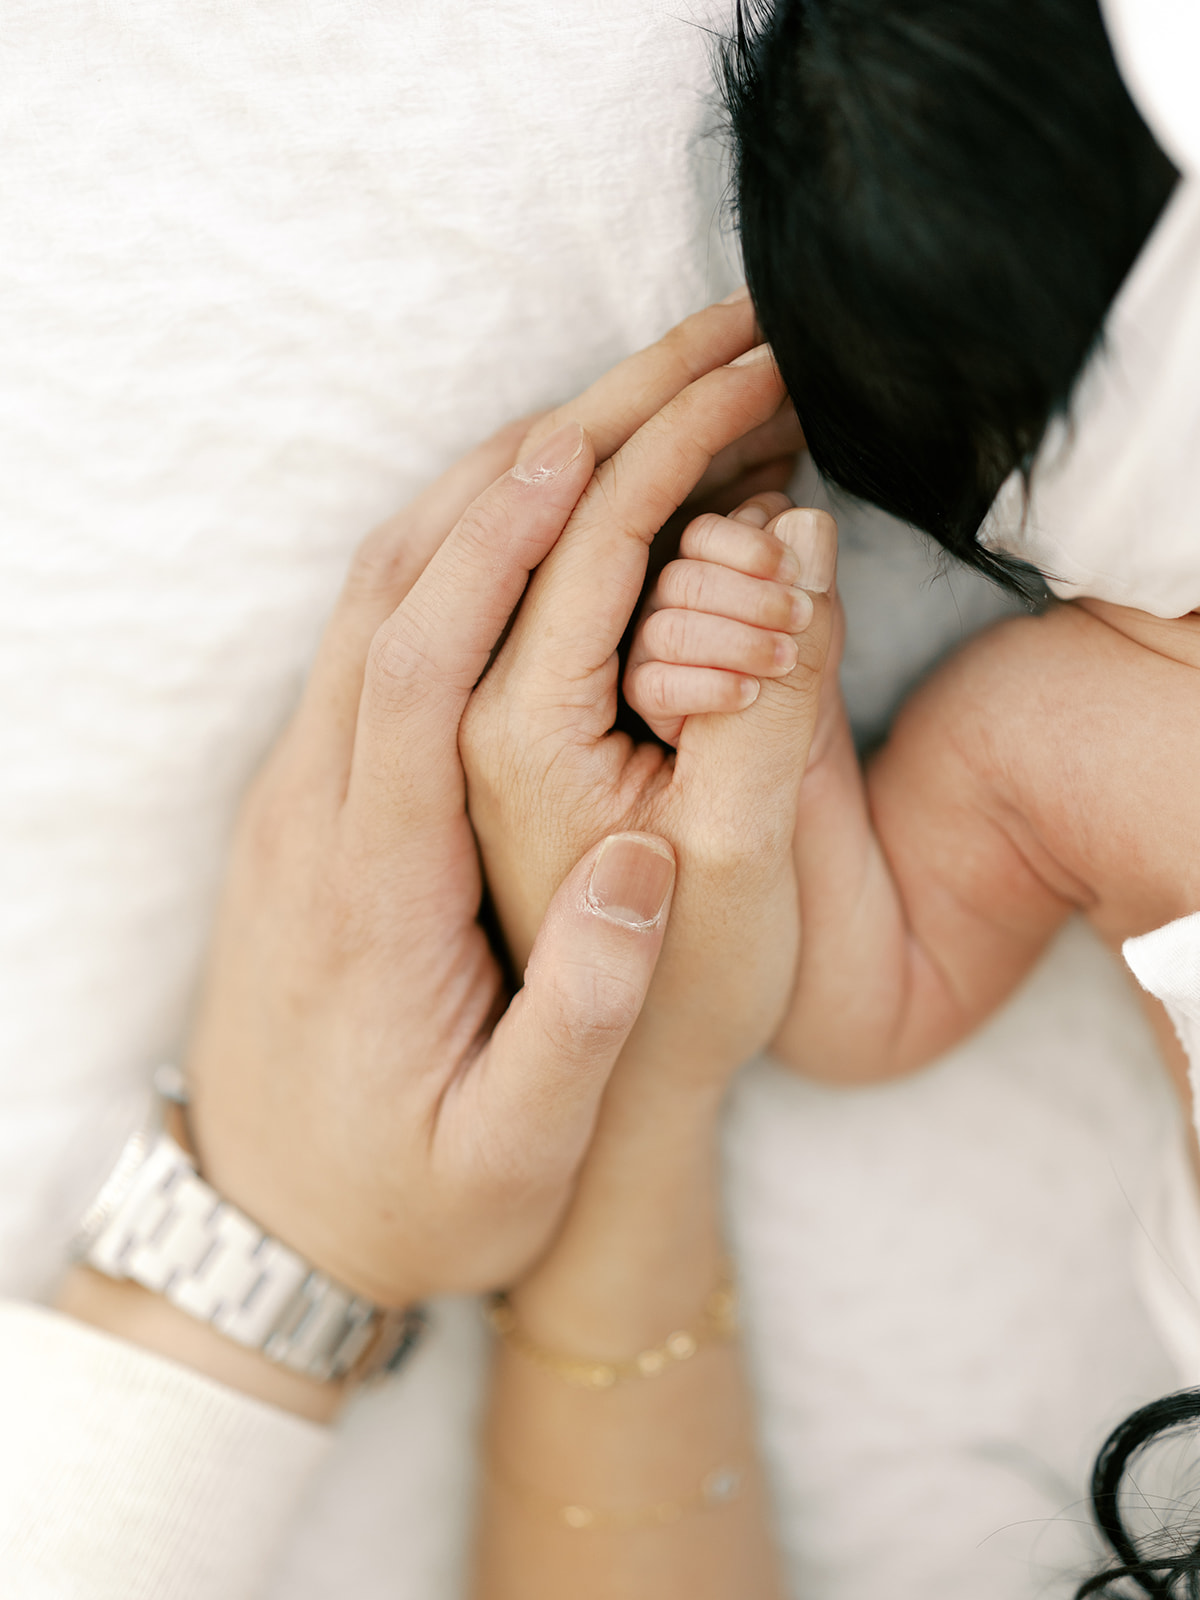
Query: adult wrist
{"type": "Point", "coordinates": [141, 1317]}
{"type": "Point", "coordinates": [193, 1277]}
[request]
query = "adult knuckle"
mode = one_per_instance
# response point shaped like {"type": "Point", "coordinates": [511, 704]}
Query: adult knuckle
{"type": "Point", "coordinates": [477, 528]}
{"type": "Point", "coordinates": [394, 659]}
{"type": "Point", "coordinates": [593, 1007]}
{"type": "Point", "coordinates": [807, 675]}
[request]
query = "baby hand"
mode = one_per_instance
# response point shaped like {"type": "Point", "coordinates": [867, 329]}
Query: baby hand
{"type": "Point", "coordinates": [723, 616]}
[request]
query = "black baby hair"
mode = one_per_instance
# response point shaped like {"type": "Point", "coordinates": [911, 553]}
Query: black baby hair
{"type": "Point", "coordinates": [937, 201]}
{"type": "Point", "coordinates": [1167, 1566]}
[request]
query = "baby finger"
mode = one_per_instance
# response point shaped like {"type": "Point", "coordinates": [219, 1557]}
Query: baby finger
{"type": "Point", "coordinates": [742, 546]}
{"type": "Point", "coordinates": [697, 639]}
{"type": "Point", "coordinates": [664, 694]}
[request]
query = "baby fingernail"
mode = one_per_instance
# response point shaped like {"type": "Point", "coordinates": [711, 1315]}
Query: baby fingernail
{"type": "Point", "coordinates": [631, 880]}
{"type": "Point", "coordinates": [761, 352]}
{"type": "Point", "coordinates": [801, 612]}
{"type": "Point", "coordinates": [753, 516]}
{"type": "Point", "coordinates": [789, 565]}
{"type": "Point", "coordinates": [738, 294]}
{"type": "Point", "coordinates": [787, 653]}
{"type": "Point", "coordinates": [749, 690]}
{"type": "Point", "coordinates": [550, 457]}
{"type": "Point", "coordinates": [812, 537]}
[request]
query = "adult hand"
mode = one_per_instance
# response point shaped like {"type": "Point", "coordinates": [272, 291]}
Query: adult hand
{"type": "Point", "coordinates": [548, 776]}
{"type": "Point", "coordinates": [346, 1093]}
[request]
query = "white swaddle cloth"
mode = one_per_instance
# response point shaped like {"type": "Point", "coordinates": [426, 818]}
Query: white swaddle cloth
{"type": "Point", "coordinates": [1111, 505]}
{"type": "Point", "coordinates": [1112, 513]}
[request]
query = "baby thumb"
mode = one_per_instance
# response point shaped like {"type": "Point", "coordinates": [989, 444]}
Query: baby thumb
{"type": "Point", "coordinates": [749, 764]}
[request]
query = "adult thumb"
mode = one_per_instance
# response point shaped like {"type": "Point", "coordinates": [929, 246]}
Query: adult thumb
{"type": "Point", "coordinates": [554, 1049]}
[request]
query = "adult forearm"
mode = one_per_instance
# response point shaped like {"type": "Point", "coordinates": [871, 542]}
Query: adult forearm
{"type": "Point", "coordinates": [148, 1320]}
{"type": "Point", "coordinates": [649, 1486]}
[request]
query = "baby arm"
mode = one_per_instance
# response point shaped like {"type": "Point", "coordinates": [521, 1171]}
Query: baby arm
{"type": "Point", "coordinates": [925, 897]}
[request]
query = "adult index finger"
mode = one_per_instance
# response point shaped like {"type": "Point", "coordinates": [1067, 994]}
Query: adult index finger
{"type": "Point", "coordinates": [583, 595]}
{"type": "Point", "coordinates": [382, 571]}
{"type": "Point", "coordinates": [623, 400]}
{"type": "Point", "coordinates": [426, 658]}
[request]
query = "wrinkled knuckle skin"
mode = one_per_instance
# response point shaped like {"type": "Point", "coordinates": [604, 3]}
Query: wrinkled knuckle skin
{"type": "Point", "coordinates": [698, 535]}
{"type": "Point", "coordinates": [393, 677]}
{"type": "Point", "coordinates": [667, 634]}
{"type": "Point", "coordinates": [688, 583]}
{"type": "Point", "coordinates": [809, 672]}
{"type": "Point", "coordinates": [648, 688]}
{"type": "Point", "coordinates": [478, 527]}
{"type": "Point", "coordinates": [591, 1011]}
{"type": "Point", "coordinates": [672, 584]}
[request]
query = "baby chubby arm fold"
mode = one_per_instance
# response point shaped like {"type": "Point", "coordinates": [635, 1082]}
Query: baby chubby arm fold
{"type": "Point", "coordinates": [924, 895]}
{"type": "Point", "coordinates": [924, 898]}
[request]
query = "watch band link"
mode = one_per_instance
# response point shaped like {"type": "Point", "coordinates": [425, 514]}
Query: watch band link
{"type": "Point", "coordinates": [171, 1232]}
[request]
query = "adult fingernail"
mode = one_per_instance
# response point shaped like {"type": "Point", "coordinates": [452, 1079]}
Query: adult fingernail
{"type": "Point", "coordinates": [737, 296]}
{"type": "Point", "coordinates": [552, 456]}
{"type": "Point", "coordinates": [812, 536]}
{"type": "Point", "coordinates": [631, 880]}
{"type": "Point", "coordinates": [761, 352]}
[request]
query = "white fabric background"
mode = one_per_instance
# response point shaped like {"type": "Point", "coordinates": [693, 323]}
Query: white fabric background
{"type": "Point", "coordinates": [267, 269]}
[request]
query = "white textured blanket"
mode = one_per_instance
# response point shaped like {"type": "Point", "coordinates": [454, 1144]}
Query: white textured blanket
{"type": "Point", "coordinates": [267, 269]}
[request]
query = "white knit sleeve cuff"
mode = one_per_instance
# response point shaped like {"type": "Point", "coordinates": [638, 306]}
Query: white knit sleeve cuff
{"type": "Point", "coordinates": [126, 1477]}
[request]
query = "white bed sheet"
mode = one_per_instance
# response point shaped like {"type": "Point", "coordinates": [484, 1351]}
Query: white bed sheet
{"type": "Point", "coordinates": [267, 269]}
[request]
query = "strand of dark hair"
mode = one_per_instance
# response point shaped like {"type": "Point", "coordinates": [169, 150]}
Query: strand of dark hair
{"type": "Point", "coordinates": [1156, 1572]}
{"type": "Point", "coordinates": [937, 203]}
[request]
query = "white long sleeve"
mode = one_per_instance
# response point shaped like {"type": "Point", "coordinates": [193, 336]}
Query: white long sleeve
{"type": "Point", "coordinates": [126, 1477]}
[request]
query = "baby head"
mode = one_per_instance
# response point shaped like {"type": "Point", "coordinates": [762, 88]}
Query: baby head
{"type": "Point", "coordinates": [937, 202]}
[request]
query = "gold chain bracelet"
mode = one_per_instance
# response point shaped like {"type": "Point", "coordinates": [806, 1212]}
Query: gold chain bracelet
{"type": "Point", "coordinates": [717, 1324]}
{"type": "Point", "coordinates": [720, 1487]}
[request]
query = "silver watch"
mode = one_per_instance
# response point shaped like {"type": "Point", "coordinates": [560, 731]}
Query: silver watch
{"type": "Point", "coordinates": [155, 1221]}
